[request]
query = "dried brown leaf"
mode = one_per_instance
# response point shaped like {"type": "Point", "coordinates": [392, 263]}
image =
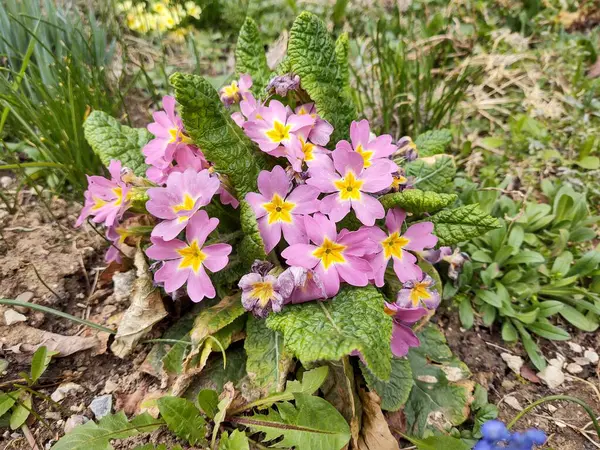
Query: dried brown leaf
{"type": "Point", "coordinates": [375, 433]}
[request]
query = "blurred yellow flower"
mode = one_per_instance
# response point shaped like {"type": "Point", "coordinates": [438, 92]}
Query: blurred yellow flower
{"type": "Point", "coordinates": [158, 16]}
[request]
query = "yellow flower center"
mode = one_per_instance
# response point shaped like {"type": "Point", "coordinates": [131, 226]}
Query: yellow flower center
{"type": "Point", "coordinates": [366, 155]}
{"type": "Point", "coordinates": [393, 245]}
{"type": "Point", "coordinates": [98, 203]}
{"type": "Point", "coordinates": [187, 204]}
{"type": "Point", "coordinates": [418, 293]}
{"type": "Point", "coordinates": [118, 191]}
{"type": "Point", "coordinates": [279, 210]}
{"type": "Point", "coordinates": [349, 187]}
{"type": "Point", "coordinates": [398, 181]}
{"type": "Point", "coordinates": [302, 111]}
{"type": "Point", "coordinates": [176, 134]}
{"type": "Point", "coordinates": [263, 291]}
{"type": "Point", "coordinates": [191, 256]}
{"type": "Point", "coordinates": [307, 149]}
{"type": "Point", "coordinates": [279, 132]}
{"type": "Point", "coordinates": [232, 90]}
{"type": "Point", "coordinates": [389, 311]}
{"type": "Point", "coordinates": [330, 253]}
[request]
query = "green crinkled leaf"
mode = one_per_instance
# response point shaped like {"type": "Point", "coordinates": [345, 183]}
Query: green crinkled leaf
{"type": "Point", "coordinates": [183, 419]}
{"type": "Point", "coordinates": [395, 392]}
{"type": "Point", "coordinates": [433, 173]}
{"type": "Point", "coordinates": [433, 142]}
{"type": "Point", "coordinates": [97, 436]}
{"type": "Point", "coordinates": [214, 318]}
{"type": "Point", "coordinates": [223, 143]}
{"type": "Point", "coordinates": [311, 424]}
{"type": "Point", "coordinates": [442, 390]}
{"type": "Point", "coordinates": [234, 441]}
{"type": "Point", "coordinates": [353, 320]}
{"type": "Point", "coordinates": [111, 140]}
{"type": "Point", "coordinates": [252, 246]}
{"type": "Point", "coordinates": [417, 201]}
{"type": "Point", "coordinates": [268, 362]}
{"type": "Point", "coordinates": [452, 226]}
{"type": "Point", "coordinates": [342, 49]}
{"type": "Point", "coordinates": [439, 442]}
{"type": "Point", "coordinates": [250, 57]}
{"type": "Point", "coordinates": [312, 55]}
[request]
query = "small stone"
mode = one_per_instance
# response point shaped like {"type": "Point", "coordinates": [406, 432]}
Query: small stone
{"type": "Point", "coordinates": [552, 376]}
{"type": "Point", "coordinates": [74, 421]}
{"type": "Point", "coordinates": [513, 403]}
{"type": "Point", "coordinates": [53, 415]}
{"type": "Point", "coordinates": [11, 316]}
{"type": "Point", "coordinates": [101, 406]}
{"type": "Point", "coordinates": [574, 368]}
{"type": "Point", "coordinates": [591, 355]}
{"type": "Point", "coordinates": [6, 181]}
{"type": "Point", "coordinates": [559, 361]}
{"type": "Point", "coordinates": [62, 390]}
{"type": "Point", "coordinates": [552, 409]}
{"type": "Point", "coordinates": [513, 362]}
{"type": "Point", "coordinates": [581, 360]}
{"type": "Point", "coordinates": [575, 347]}
{"type": "Point", "coordinates": [123, 284]}
{"type": "Point", "coordinates": [25, 296]}
{"type": "Point", "coordinates": [3, 366]}
{"type": "Point", "coordinates": [508, 385]}
{"type": "Point", "coordinates": [110, 387]}
{"type": "Point", "coordinates": [37, 319]}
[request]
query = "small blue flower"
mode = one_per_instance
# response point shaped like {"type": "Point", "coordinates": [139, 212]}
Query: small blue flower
{"type": "Point", "coordinates": [497, 437]}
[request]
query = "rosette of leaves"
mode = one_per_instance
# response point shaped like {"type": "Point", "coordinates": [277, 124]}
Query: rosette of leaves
{"type": "Point", "coordinates": [534, 273]}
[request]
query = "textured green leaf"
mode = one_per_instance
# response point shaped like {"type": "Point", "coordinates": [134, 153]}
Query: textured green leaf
{"type": "Point", "coordinates": [268, 362]}
{"type": "Point", "coordinates": [461, 224]}
{"type": "Point", "coordinates": [252, 246]}
{"type": "Point", "coordinates": [111, 140]}
{"type": "Point", "coordinates": [312, 424]}
{"type": "Point", "coordinates": [97, 436]}
{"type": "Point", "coordinates": [433, 142]}
{"type": "Point", "coordinates": [218, 342]}
{"type": "Point", "coordinates": [395, 392]}
{"type": "Point", "coordinates": [222, 141]}
{"type": "Point", "coordinates": [354, 320]}
{"type": "Point", "coordinates": [212, 319]}
{"type": "Point", "coordinates": [442, 391]}
{"type": "Point", "coordinates": [39, 362]}
{"type": "Point", "coordinates": [183, 419]}
{"type": "Point", "coordinates": [237, 440]}
{"type": "Point", "coordinates": [208, 401]}
{"type": "Point", "coordinates": [433, 173]}
{"type": "Point", "coordinates": [342, 49]}
{"type": "Point", "coordinates": [250, 57]}
{"type": "Point", "coordinates": [417, 201]}
{"type": "Point", "coordinates": [312, 55]}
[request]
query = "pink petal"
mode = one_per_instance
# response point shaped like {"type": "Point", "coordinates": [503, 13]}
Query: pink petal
{"type": "Point", "coordinates": [299, 121]}
{"type": "Point", "coordinates": [406, 268]}
{"type": "Point", "coordinates": [305, 198]}
{"type": "Point", "coordinates": [274, 182]}
{"type": "Point", "coordinates": [356, 271]}
{"type": "Point", "coordinates": [421, 237]}
{"type": "Point", "coordinates": [294, 233]}
{"type": "Point", "coordinates": [161, 249]}
{"type": "Point", "coordinates": [271, 234]}
{"type": "Point", "coordinates": [344, 145]}
{"type": "Point", "coordinates": [171, 276]}
{"type": "Point", "coordinates": [169, 229]}
{"type": "Point", "coordinates": [256, 201]}
{"type": "Point", "coordinates": [334, 207]}
{"type": "Point", "coordinates": [360, 133]}
{"type": "Point", "coordinates": [321, 132]}
{"type": "Point", "coordinates": [382, 146]}
{"type": "Point", "coordinates": [378, 266]}
{"type": "Point", "coordinates": [402, 339]}
{"type": "Point", "coordinates": [330, 279]}
{"type": "Point", "coordinates": [216, 256]}
{"type": "Point", "coordinates": [318, 227]}
{"type": "Point", "coordinates": [300, 255]}
{"type": "Point", "coordinates": [394, 219]}
{"type": "Point", "coordinates": [200, 226]}
{"type": "Point", "coordinates": [200, 286]}
{"type": "Point", "coordinates": [322, 179]}
{"type": "Point", "coordinates": [344, 161]}
{"type": "Point", "coordinates": [368, 209]}
{"type": "Point", "coordinates": [377, 177]}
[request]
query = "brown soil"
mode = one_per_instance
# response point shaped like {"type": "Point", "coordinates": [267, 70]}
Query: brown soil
{"type": "Point", "coordinates": [70, 262]}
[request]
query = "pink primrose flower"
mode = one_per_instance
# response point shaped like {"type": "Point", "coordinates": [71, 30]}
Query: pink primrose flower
{"type": "Point", "coordinates": [348, 185]}
{"type": "Point", "coordinates": [236, 91]}
{"type": "Point", "coordinates": [186, 262]}
{"type": "Point", "coordinates": [372, 148]}
{"type": "Point", "coordinates": [320, 132]}
{"type": "Point", "coordinates": [280, 211]}
{"type": "Point", "coordinates": [395, 245]}
{"type": "Point", "coordinates": [177, 203]}
{"type": "Point", "coordinates": [334, 257]}
{"type": "Point", "coordinates": [169, 135]}
{"type": "Point", "coordinates": [419, 292]}
{"type": "Point", "coordinates": [403, 337]}
{"type": "Point", "coordinates": [106, 200]}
